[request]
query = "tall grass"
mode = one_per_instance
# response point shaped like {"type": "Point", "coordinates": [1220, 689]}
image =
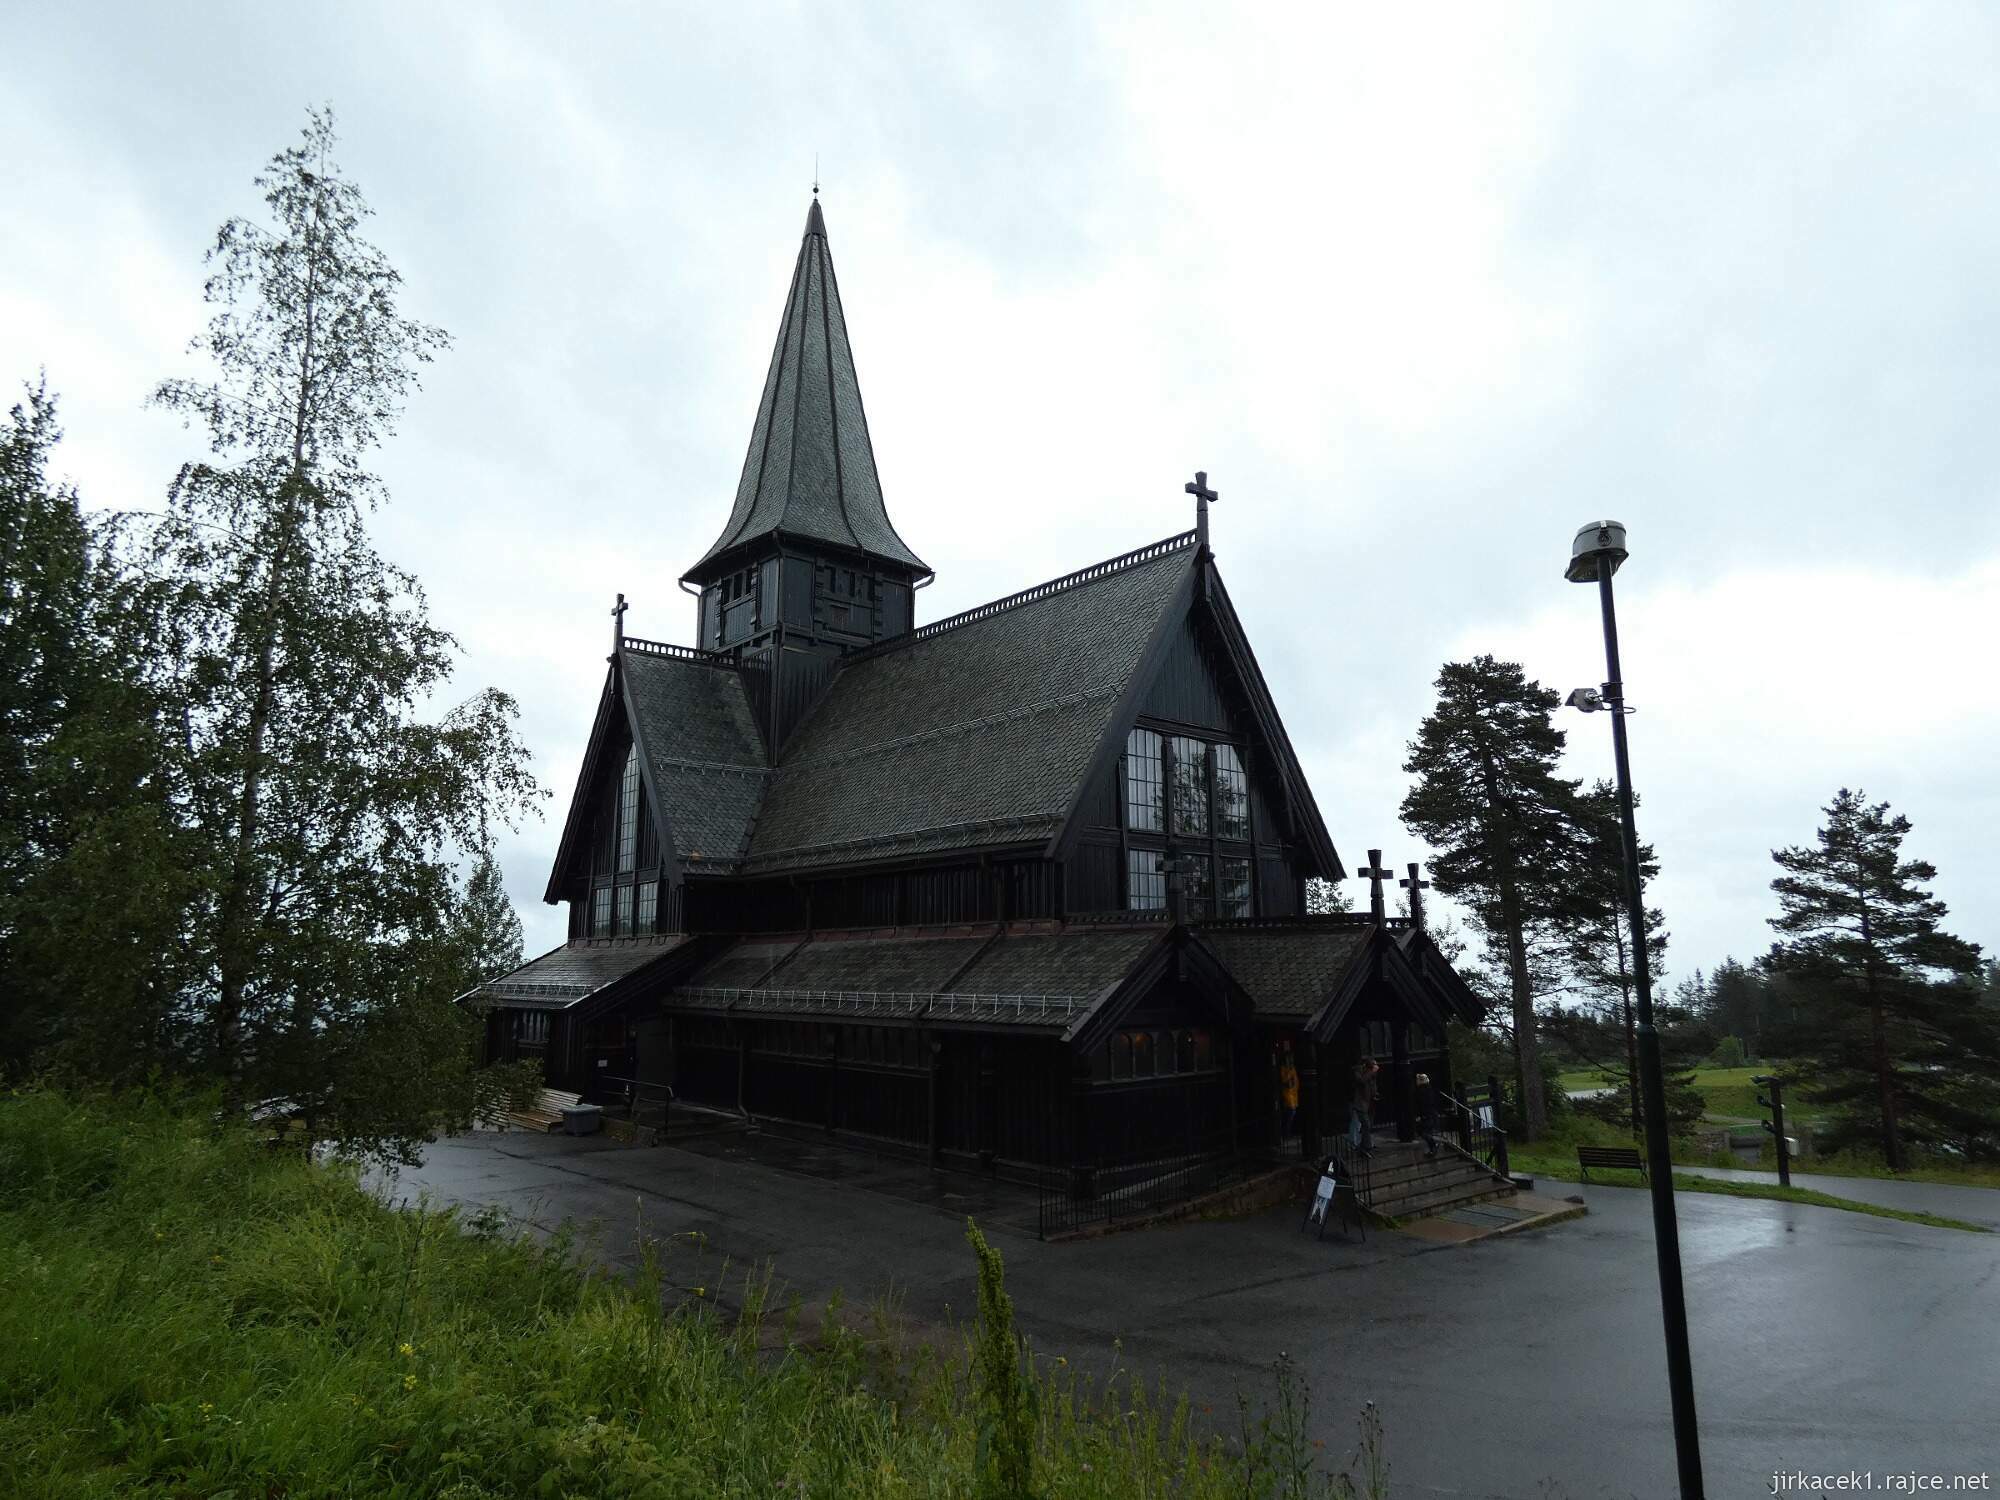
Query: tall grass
{"type": "Point", "coordinates": [188, 1313]}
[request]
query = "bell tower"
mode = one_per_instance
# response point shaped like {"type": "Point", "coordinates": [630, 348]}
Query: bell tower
{"type": "Point", "coordinates": [808, 564]}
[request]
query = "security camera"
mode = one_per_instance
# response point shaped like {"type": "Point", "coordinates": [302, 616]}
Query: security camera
{"type": "Point", "coordinates": [1590, 700]}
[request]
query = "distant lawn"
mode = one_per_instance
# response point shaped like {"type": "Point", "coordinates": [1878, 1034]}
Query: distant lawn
{"type": "Point", "coordinates": [1695, 1182]}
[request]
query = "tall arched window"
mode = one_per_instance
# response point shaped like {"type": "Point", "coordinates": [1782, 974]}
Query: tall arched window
{"type": "Point", "coordinates": [628, 813]}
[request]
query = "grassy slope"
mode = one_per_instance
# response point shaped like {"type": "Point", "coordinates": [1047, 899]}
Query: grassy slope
{"type": "Point", "coordinates": [192, 1315]}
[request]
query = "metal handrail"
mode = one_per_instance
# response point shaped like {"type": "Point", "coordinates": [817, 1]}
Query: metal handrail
{"type": "Point", "coordinates": [1485, 1144]}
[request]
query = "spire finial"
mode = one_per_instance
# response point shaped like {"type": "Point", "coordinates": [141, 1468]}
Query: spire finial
{"type": "Point", "coordinates": [815, 174]}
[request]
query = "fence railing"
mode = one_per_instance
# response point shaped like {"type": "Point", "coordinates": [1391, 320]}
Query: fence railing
{"type": "Point", "coordinates": [1471, 1128]}
{"type": "Point", "coordinates": [642, 1102]}
{"type": "Point", "coordinates": [1084, 1194]}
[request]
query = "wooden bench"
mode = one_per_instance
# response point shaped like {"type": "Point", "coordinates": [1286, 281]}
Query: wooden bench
{"type": "Point", "coordinates": [1609, 1156]}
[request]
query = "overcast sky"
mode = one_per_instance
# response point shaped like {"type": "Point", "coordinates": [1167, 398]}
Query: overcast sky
{"type": "Point", "coordinates": [1422, 290]}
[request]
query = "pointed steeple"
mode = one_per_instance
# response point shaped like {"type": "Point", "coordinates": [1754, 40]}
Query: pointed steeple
{"type": "Point", "coordinates": [810, 473]}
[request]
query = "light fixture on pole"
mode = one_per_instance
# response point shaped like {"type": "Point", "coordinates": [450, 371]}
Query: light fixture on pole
{"type": "Point", "coordinates": [1594, 556]}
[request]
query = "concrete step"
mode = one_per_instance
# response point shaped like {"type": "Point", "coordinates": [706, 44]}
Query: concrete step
{"type": "Point", "coordinates": [1449, 1195]}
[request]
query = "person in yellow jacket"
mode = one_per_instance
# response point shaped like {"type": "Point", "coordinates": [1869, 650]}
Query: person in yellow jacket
{"type": "Point", "coordinates": [1288, 1088]}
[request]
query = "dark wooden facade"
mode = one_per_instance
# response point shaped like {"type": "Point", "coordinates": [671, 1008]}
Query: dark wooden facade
{"type": "Point", "coordinates": [1094, 764]}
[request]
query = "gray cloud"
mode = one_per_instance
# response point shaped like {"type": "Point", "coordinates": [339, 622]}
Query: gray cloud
{"type": "Point", "coordinates": [1421, 300]}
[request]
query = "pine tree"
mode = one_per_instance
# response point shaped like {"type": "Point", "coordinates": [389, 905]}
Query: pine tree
{"type": "Point", "coordinates": [1596, 937]}
{"type": "Point", "coordinates": [1489, 800]}
{"type": "Point", "coordinates": [329, 810]}
{"type": "Point", "coordinates": [1862, 937]}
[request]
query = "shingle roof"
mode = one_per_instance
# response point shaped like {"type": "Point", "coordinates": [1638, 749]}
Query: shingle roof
{"type": "Point", "coordinates": [696, 729]}
{"type": "Point", "coordinates": [1040, 979]}
{"type": "Point", "coordinates": [971, 732]}
{"type": "Point", "coordinates": [810, 472]}
{"type": "Point", "coordinates": [1287, 970]}
{"type": "Point", "coordinates": [563, 976]}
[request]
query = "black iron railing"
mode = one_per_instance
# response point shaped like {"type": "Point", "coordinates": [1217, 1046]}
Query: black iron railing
{"type": "Point", "coordinates": [1471, 1130]}
{"type": "Point", "coordinates": [643, 1103]}
{"type": "Point", "coordinates": [1083, 1195]}
{"type": "Point", "coordinates": [1352, 1168]}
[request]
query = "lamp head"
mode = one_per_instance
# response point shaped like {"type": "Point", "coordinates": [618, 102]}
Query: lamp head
{"type": "Point", "coordinates": [1600, 544]}
{"type": "Point", "coordinates": [1590, 700]}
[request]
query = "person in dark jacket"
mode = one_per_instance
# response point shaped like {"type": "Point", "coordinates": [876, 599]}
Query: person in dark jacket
{"type": "Point", "coordinates": [1427, 1113]}
{"type": "Point", "coordinates": [1361, 1110]}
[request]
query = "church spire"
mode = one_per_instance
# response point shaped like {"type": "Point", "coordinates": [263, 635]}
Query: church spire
{"type": "Point", "coordinates": [810, 473]}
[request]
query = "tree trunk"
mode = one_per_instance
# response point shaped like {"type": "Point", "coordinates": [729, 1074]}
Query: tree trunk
{"type": "Point", "coordinates": [1631, 1036]}
{"type": "Point", "coordinates": [236, 950]}
{"type": "Point", "coordinates": [1885, 1078]}
{"type": "Point", "coordinates": [1527, 1050]}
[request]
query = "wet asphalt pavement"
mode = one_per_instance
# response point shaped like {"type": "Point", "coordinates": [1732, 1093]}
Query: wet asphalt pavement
{"type": "Point", "coordinates": [1823, 1340]}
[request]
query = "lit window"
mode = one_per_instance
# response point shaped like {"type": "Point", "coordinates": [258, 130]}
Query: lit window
{"type": "Point", "coordinates": [1190, 806]}
{"type": "Point", "coordinates": [1232, 795]}
{"type": "Point", "coordinates": [1144, 812]}
{"type": "Point", "coordinates": [1146, 881]}
{"type": "Point", "coordinates": [1142, 1054]}
{"type": "Point", "coordinates": [1232, 896]}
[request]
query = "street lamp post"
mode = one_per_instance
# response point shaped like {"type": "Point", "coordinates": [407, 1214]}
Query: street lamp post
{"type": "Point", "coordinates": [1598, 550]}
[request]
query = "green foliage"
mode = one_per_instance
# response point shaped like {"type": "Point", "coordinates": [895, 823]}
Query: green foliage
{"type": "Point", "coordinates": [192, 1313]}
{"type": "Point", "coordinates": [1488, 798]}
{"type": "Point", "coordinates": [1005, 1393]}
{"type": "Point", "coordinates": [93, 871]}
{"type": "Point", "coordinates": [1898, 1043]}
{"type": "Point", "coordinates": [1727, 1054]}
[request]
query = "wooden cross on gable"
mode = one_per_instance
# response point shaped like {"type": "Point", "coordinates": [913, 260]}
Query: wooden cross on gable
{"type": "Point", "coordinates": [1198, 487]}
{"type": "Point", "coordinates": [1416, 887]}
{"type": "Point", "coordinates": [1374, 874]}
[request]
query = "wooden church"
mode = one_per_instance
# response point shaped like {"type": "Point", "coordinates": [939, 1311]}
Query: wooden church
{"type": "Point", "coordinates": [1018, 888]}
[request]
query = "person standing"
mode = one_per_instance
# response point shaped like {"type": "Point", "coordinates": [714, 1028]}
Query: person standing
{"type": "Point", "coordinates": [1427, 1121]}
{"type": "Point", "coordinates": [1288, 1091]}
{"type": "Point", "coordinates": [1361, 1112]}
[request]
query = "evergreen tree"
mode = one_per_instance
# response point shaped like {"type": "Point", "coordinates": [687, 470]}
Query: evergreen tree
{"type": "Point", "coordinates": [1324, 898]}
{"type": "Point", "coordinates": [1596, 938]}
{"type": "Point", "coordinates": [488, 929]}
{"type": "Point", "coordinates": [1888, 1041]}
{"type": "Point", "coordinates": [1488, 799]}
{"type": "Point", "coordinates": [91, 881]}
{"type": "Point", "coordinates": [328, 811]}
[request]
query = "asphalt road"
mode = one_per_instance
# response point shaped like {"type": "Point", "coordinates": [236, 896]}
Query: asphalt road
{"type": "Point", "coordinates": [1823, 1340]}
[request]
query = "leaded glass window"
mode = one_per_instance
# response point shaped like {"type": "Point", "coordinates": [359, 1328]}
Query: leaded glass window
{"type": "Point", "coordinates": [649, 905]}
{"type": "Point", "coordinates": [1232, 888]}
{"type": "Point", "coordinates": [1144, 782]}
{"type": "Point", "coordinates": [1232, 795]}
{"type": "Point", "coordinates": [1146, 881]}
{"type": "Point", "coordinates": [628, 812]}
{"type": "Point", "coordinates": [1190, 773]}
{"type": "Point", "coordinates": [624, 908]}
{"type": "Point", "coordinates": [1195, 872]}
{"type": "Point", "coordinates": [600, 912]}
